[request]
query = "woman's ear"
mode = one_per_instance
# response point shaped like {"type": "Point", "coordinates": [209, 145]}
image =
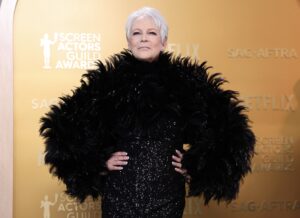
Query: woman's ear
{"type": "Point", "coordinates": [164, 44]}
{"type": "Point", "coordinates": [128, 43]}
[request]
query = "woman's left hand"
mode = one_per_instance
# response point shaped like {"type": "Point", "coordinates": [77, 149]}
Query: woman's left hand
{"type": "Point", "coordinates": [177, 162]}
{"type": "Point", "coordinates": [178, 166]}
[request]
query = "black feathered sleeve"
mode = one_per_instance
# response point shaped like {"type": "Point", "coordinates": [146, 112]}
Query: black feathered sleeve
{"type": "Point", "coordinates": [77, 136]}
{"type": "Point", "coordinates": [221, 141]}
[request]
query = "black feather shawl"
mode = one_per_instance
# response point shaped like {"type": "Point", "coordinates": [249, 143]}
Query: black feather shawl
{"type": "Point", "coordinates": [80, 131]}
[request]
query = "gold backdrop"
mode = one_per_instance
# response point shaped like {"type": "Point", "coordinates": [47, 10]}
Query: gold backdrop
{"type": "Point", "coordinates": [255, 44]}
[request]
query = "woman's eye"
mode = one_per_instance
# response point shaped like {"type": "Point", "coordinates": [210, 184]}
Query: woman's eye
{"type": "Point", "coordinates": [153, 33]}
{"type": "Point", "coordinates": [135, 33]}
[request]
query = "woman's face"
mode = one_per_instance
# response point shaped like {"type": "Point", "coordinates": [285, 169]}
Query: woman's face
{"type": "Point", "coordinates": [144, 40]}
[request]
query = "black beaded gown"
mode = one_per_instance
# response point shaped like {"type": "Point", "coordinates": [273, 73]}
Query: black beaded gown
{"type": "Point", "coordinates": [148, 186]}
{"type": "Point", "coordinates": [149, 110]}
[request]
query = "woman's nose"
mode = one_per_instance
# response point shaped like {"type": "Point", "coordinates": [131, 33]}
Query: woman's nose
{"type": "Point", "coordinates": [144, 38]}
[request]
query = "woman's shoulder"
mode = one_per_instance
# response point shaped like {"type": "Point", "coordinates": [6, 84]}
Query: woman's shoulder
{"type": "Point", "coordinates": [188, 68]}
{"type": "Point", "coordinates": [107, 70]}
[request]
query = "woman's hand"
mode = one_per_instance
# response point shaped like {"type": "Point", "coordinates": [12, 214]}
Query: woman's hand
{"type": "Point", "coordinates": [178, 166]}
{"type": "Point", "coordinates": [117, 161]}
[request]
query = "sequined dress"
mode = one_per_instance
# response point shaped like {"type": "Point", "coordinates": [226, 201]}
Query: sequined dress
{"type": "Point", "coordinates": [148, 186]}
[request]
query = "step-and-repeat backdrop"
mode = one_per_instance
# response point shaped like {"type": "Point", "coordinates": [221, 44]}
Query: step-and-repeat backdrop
{"type": "Point", "coordinates": [255, 44]}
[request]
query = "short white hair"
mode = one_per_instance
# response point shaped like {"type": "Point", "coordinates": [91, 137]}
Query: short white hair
{"type": "Point", "coordinates": [152, 13]}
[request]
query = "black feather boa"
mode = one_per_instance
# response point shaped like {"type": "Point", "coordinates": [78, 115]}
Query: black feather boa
{"type": "Point", "coordinates": [80, 132]}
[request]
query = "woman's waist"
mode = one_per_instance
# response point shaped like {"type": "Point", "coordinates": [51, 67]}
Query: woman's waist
{"type": "Point", "coordinates": [151, 143]}
{"type": "Point", "coordinates": [148, 172]}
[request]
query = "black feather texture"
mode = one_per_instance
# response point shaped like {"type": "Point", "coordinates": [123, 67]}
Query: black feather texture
{"type": "Point", "coordinates": [221, 141]}
{"type": "Point", "coordinates": [125, 94]}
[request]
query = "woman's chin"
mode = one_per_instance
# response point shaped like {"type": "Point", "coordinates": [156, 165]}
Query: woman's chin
{"type": "Point", "coordinates": [146, 57]}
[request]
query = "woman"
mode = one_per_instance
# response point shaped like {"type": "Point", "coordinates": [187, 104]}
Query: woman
{"type": "Point", "coordinates": [121, 134]}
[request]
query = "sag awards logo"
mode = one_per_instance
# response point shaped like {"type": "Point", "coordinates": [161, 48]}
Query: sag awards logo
{"type": "Point", "coordinates": [262, 53]}
{"type": "Point", "coordinates": [266, 206]}
{"type": "Point", "coordinates": [61, 203]}
{"type": "Point", "coordinates": [275, 154]}
{"type": "Point", "coordinates": [37, 103]}
{"type": "Point", "coordinates": [70, 50]}
{"type": "Point", "coordinates": [46, 204]}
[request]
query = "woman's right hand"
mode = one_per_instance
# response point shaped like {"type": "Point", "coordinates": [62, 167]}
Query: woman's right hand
{"type": "Point", "coordinates": [117, 161]}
